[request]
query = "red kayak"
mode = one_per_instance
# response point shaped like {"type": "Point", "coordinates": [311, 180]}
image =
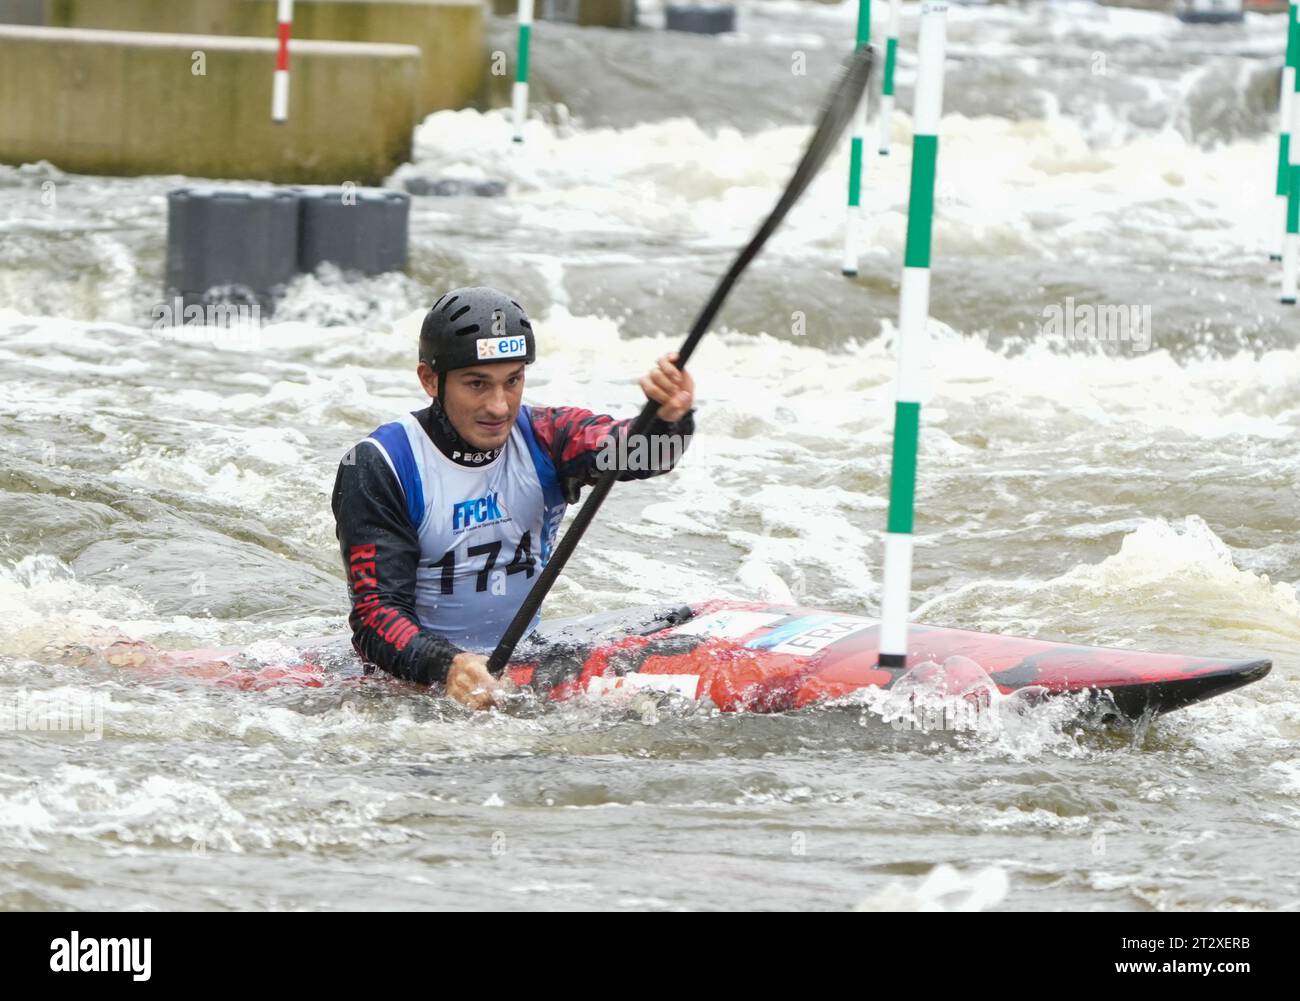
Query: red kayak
{"type": "Point", "coordinates": [757, 657]}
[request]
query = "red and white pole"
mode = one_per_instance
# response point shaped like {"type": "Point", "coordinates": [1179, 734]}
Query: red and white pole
{"type": "Point", "coordinates": [280, 86]}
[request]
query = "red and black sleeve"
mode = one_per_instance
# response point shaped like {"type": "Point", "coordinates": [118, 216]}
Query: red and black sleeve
{"type": "Point", "coordinates": [381, 551]}
{"type": "Point", "coordinates": [581, 443]}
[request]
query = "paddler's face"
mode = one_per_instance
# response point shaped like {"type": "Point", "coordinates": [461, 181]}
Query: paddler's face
{"type": "Point", "coordinates": [481, 402]}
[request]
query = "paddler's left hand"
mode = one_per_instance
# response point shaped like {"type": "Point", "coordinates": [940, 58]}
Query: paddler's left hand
{"type": "Point", "coordinates": [671, 386]}
{"type": "Point", "coordinates": [469, 682]}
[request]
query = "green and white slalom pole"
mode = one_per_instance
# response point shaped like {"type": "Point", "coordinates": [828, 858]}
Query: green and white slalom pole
{"type": "Point", "coordinates": [1291, 244]}
{"type": "Point", "coordinates": [519, 92]}
{"type": "Point", "coordinates": [887, 87]}
{"type": "Point", "coordinates": [1284, 119]}
{"type": "Point", "coordinates": [850, 264]}
{"type": "Point", "coordinates": [913, 312]}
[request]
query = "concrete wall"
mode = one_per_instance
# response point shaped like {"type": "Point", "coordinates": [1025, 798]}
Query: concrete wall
{"type": "Point", "coordinates": [103, 102]}
{"type": "Point", "coordinates": [589, 13]}
{"type": "Point", "coordinates": [1167, 5]}
{"type": "Point", "coordinates": [448, 32]}
{"type": "Point", "coordinates": [22, 12]}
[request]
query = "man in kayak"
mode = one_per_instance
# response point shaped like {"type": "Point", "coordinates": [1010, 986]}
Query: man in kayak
{"type": "Point", "coordinates": [444, 516]}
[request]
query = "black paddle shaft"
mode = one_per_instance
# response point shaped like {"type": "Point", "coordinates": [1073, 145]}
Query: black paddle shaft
{"type": "Point", "coordinates": [838, 110]}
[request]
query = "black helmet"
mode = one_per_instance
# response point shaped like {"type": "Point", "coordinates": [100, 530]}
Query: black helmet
{"type": "Point", "coordinates": [467, 326]}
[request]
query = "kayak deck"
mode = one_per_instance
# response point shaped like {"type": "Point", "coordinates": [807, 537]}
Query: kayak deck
{"type": "Point", "coordinates": [767, 658]}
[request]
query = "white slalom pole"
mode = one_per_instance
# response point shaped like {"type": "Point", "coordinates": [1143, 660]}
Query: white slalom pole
{"type": "Point", "coordinates": [891, 62]}
{"type": "Point", "coordinates": [913, 312]}
{"type": "Point", "coordinates": [519, 92]}
{"type": "Point", "coordinates": [849, 266]}
{"type": "Point", "coordinates": [280, 84]}
{"type": "Point", "coordinates": [1291, 246]}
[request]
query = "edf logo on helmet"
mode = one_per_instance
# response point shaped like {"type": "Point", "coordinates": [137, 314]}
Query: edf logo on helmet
{"type": "Point", "coordinates": [499, 346]}
{"type": "Point", "coordinates": [493, 348]}
{"type": "Point", "coordinates": [479, 511]}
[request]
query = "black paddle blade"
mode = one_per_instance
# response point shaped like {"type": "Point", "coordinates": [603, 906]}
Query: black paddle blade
{"type": "Point", "coordinates": [836, 114]}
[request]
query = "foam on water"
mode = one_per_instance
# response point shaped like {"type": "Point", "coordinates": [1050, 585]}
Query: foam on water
{"type": "Point", "coordinates": [1038, 187]}
{"type": "Point", "coordinates": [943, 888]}
{"type": "Point", "coordinates": [1180, 576]}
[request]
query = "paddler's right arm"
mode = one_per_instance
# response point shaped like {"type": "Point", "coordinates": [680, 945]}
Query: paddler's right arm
{"type": "Point", "coordinates": [381, 550]}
